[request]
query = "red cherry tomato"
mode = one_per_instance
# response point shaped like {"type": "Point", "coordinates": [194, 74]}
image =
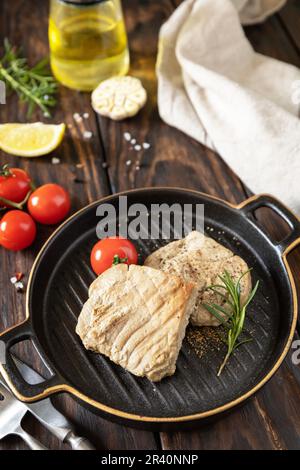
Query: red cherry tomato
{"type": "Point", "coordinates": [15, 184]}
{"type": "Point", "coordinates": [112, 250]}
{"type": "Point", "coordinates": [49, 204]}
{"type": "Point", "coordinates": [17, 230]}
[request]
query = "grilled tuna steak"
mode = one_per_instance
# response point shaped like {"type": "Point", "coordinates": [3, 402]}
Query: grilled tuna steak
{"type": "Point", "coordinates": [200, 259]}
{"type": "Point", "coordinates": [137, 316]}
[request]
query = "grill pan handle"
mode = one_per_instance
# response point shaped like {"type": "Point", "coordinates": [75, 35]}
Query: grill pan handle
{"type": "Point", "coordinates": [21, 388]}
{"type": "Point", "coordinates": [265, 200]}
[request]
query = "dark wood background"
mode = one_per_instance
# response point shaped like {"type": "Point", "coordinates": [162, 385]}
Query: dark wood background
{"type": "Point", "coordinates": [270, 420]}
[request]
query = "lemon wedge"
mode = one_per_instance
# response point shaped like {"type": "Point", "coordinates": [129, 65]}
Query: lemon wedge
{"type": "Point", "coordinates": [30, 140]}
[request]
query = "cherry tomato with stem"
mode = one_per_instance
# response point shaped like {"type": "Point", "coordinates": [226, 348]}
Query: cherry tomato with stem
{"type": "Point", "coordinates": [15, 186]}
{"type": "Point", "coordinates": [111, 251]}
{"type": "Point", "coordinates": [49, 204]}
{"type": "Point", "coordinates": [17, 230]}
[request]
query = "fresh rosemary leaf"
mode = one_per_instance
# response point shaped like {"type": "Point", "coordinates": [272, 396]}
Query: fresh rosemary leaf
{"type": "Point", "coordinates": [222, 310]}
{"type": "Point", "coordinates": [216, 314]}
{"type": "Point", "coordinates": [223, 296]}
{"type": "Point", "coordinates": [242, 342]}
{"type": "Point", "coordinates": [252, 294]}
{"type": "Point", "coordinates": [234, 318]}
{"type": "Point", "coordinates": [35, 86]}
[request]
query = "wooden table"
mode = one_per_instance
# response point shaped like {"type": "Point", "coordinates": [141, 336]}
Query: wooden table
{"type": "Point", "coordinates": [270, 420]}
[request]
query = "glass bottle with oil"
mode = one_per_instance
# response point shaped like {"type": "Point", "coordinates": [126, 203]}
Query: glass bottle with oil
{"type": "Point", "coordinates": [88, 42]}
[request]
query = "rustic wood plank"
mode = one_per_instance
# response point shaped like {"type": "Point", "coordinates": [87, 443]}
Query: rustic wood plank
{"type": "Point", "coordinates": [25, 23]}
{"type": "Point", "coordinates": [176, 160]}
{"type": "Point", "coordinates": [270, 38]}
{"type": "Point", "coordinates": [173, 159]}
{"type": "Point", "coordinates": [290, 17]}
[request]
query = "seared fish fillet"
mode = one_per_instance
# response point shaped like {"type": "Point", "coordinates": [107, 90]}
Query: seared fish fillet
{"type": "Point", "coordinates": [200, 259]}
{"type": "Point", "coordinates": [137, 316]}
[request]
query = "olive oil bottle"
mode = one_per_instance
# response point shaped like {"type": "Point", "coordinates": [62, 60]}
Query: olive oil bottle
{"type": "Point", "coordinates": [88, 42]}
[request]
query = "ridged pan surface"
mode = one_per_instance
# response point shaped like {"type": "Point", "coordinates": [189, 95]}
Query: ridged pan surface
{"type": "Point", "coordinates": [59, 288]}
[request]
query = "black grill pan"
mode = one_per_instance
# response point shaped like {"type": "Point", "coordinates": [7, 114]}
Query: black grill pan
{"type": "Point", "coordinates": [58, 287]}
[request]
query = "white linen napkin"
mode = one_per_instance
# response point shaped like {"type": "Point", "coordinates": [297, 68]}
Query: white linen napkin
{"type": "Point", "coordinates": [255, 11]}
{"type": "Point", "coordinates": [215, 88]}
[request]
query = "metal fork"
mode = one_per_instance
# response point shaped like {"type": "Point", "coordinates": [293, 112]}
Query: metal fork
{"type": "Point", "coordinates": [12, 411]}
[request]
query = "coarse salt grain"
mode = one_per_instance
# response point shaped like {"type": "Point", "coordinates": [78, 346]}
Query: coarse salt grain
{"type": "Point", "coordinates": [133, 141]}
{"type": "Point", "coordinates": [55, 161]}
{"type": "Point", "coordinates": [146, 145]}
{"type": "Point", "coordinates": [128, 162]}
{"type": "Point", "coordinates": [137, 147]}
{"type": "Point", "coordinates": [19, 286]}
{"type": "Point", "coordinates": [127, 136]}
{"type": "Point", "coordinates": [87, 134]}
{"type": "Point", "coordinates": [77, 117]}
{"type": "Point", "coordinates": [13, 279]}
{"type": "Point", "coordinates": [86, 115]}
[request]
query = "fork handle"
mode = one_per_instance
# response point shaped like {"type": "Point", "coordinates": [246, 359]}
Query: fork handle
{"type": "Point", "coordinates": [78, 443]}
{"type": "Point", "coordinates": [33, 443]}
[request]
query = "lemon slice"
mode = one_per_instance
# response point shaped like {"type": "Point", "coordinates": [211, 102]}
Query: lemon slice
{"type": "Point", "coordinates": [30, 140]}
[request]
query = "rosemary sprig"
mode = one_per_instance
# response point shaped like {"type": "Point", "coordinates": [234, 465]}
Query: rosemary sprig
{"type": "Point", "coordinates": [233, 316]}
{"type": "Point", "coordinates": [34, 86]}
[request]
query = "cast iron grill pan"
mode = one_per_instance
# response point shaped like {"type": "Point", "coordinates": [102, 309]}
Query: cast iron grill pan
{"type": "Point", "coordinates": [59, 286]}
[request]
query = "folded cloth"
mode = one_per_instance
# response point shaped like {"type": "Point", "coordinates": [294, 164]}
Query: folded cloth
{"type": "Point", "coordinates": [255, 11]}
{"type": "Point", "coordinates": [214, 87]}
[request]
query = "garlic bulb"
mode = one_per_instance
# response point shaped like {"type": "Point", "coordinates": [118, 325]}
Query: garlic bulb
{"type": "Point", "coordinates": [119, 97]}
